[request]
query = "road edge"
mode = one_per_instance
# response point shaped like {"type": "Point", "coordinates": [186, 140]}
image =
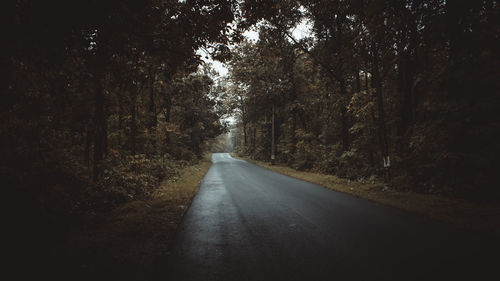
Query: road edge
{"type": "Point", "coordinates": [460, 213]}
{"type": "Point", "coordinates": [133, 238]}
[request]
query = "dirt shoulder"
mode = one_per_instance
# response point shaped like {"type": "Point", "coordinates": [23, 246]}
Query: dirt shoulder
{"type": "Point", "coordinates": [125, 243]}
{"type": "Point", "coordinates": [464, 214]}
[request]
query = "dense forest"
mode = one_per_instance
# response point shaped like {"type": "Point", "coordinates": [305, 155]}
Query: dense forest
{"type": "Point", "coordinates": [102, 97]}
{"type": "Point", "coordinates": [404, 90]}
{"type": "Point", "coordinates": [102, 100]}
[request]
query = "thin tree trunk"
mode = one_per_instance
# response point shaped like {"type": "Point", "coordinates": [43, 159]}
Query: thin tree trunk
{"type": "Point", "coordinates": [133, 123]}
{"type": "Point", "coordinates": [245, 133]}
{"type": "Point", "coordinates": [87, 146]}
{"type": "Point", "coordinates": [120, 120]}
{"type": "Point", "coordinates": [406, 107]}
{"type": "Point", "coordinates": [384, 143]}
{"type": "Point", "coordinates": [344, 117]}
{"type": "Point", "coordinates": [273, 146]}
{"type": "Point", "coordinates": [105, 134]}
{"type": "Point", "coordinates": [168, 108]}
{"type": "Point", "coordinates": [293, 136]}
{"type": "Point", "coordinates": [367, 85]}
{"type": "Point", "coordinates": [99, 125]}
{"type": "Point", "coordinates": [358, 82]}
{"type": "Point", "coordinates": [152, 106]}
{"type": "Point", "coordinates": [345, 129]}
{"type": "Point", "coordinates": [254, 138]}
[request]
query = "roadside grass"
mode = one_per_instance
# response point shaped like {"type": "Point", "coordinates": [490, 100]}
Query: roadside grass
{"type": "Point", "coordinates": [125, 243]}
{"type": "Point", "coordinates": [461, 213]}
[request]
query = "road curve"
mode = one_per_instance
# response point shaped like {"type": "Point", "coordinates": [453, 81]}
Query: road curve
{"type": "Point", "coordinates": [249, 223]}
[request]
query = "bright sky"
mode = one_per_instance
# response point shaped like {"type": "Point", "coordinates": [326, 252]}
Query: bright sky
{"type": "Point", "coordinates": [302, 30]}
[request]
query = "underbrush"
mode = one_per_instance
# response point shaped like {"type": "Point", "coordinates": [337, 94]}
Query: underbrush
{"type": "Point", "coordinates": [52, 199]}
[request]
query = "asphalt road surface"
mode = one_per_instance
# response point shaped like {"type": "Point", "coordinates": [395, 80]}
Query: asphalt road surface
{"type": "Point", "coordinates": [249, 223]}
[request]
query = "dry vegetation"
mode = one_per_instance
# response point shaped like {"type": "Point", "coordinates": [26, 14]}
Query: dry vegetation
{"type": "Point", "coordinates": [127, 242]}
{"type": "Point", "coordinates": [467, 215]}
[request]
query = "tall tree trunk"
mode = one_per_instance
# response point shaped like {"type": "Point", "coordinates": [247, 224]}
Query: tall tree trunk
{"type": "Point", "coordinates": [406, 107]}
{"type": "Point", "coordinates": [342, 82]}
{"type": "Point", "coordinates": [454, 16]}
{"type": "Point", "coordinates": [292, 133]}
{"type": "Point", "coordinates": [245, 133]}
{"type": "Point", "coordinates": [367, 84]}
{"type": "Point", "coordinates": [133, 123]}
{"type": "Point", "coordinates": [344, 116]}
{"type": "Point", "coordinates": [152, 106]}
{"type": "Point", "coordinates": [105, 133]}
{"type": "Point", "coordinates": [254, 137]}
{"type": "Point", "coordinates": [345, 129]}
{"type": "Point", "coordinates": [99, 124]}
{"type": "Point", "coordinates": [120, 120]}
{"type": "Point", "coordinates": [384, 142]}
{"type": "Point", "coordinates": [358, 82]}
{"type": "Point", "coordinates": [168, 108]}
{"type": "Point", "coordinates": [88, 140]}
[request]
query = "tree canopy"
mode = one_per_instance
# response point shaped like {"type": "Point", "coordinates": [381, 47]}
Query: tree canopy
{"type": "Point", "coordinates": [403, 89]}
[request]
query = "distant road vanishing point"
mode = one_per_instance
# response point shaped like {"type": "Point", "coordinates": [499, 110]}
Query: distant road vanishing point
{"type": "Point", "coordinates": [249, 223]}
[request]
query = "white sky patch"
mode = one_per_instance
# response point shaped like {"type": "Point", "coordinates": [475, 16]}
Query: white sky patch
{"type": "Point", "coordinates": [302, 30]}
{"type": "Point", "coordinates": [220, 67]}
{"type": "Point", "coordinates": [251, 35]}
{"type": "Point", "coordinates": [217, 65]}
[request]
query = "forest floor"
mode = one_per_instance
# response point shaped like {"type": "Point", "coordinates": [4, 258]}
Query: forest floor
{"type": "Point", "coordinates": [125, 243]}
{"type": "Point", "coordinates": [467, 215]}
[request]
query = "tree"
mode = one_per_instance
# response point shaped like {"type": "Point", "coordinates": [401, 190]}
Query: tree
{"type": "Point", "coordinates": [396, 76]}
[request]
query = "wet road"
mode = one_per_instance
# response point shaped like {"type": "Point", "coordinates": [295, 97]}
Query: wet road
{"type": "Point", "coordinates": [249, 223]}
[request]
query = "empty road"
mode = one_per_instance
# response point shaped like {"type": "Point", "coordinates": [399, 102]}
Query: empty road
{"type": "Point", "coordinates": [249, 223]}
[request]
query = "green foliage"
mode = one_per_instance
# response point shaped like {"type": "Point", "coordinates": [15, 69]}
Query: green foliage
{"type": "Point", "coordinates": [415, 81]}
{"type": "Point", "coordinates": [305, 151]}
{"type": "Point", "coordinates": [104, 99]}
